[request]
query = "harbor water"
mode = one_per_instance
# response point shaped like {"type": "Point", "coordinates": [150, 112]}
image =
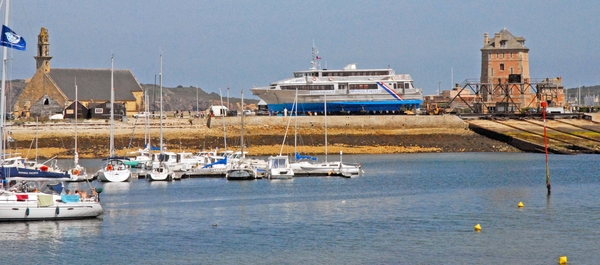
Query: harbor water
{"type": "Point", "coordinates": [405, 209]}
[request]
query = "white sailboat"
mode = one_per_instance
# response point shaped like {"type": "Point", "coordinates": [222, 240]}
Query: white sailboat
{"type": "Point", "coordinates": [331, 168]}
{"type": "Point", "coordinates": [240, 170]}
{"type": "Point", "coordinates": [38, 193]}
{"type": "Point", "coordinates": [77, 173]}
{"type": "Point", "coordinates": [278, 167]}
{"type": "Point", "coordinates": [114, 169]}
{"type": "Point", "coordinates": [160, 170]}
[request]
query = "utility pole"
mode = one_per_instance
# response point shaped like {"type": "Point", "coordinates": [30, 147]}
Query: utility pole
{"type": "Point", "coordinates": [227, 97]}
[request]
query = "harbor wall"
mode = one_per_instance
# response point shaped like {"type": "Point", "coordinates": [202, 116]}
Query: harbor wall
{"type": "Point", "coordinates": [358, 122]}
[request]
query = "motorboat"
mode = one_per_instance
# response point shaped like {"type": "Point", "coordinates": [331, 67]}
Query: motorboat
{"type": "Point", "coordinates": [278, 167]}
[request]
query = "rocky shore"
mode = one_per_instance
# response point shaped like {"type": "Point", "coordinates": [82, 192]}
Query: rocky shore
{"type": "Point", "coordinates": [262, 135]}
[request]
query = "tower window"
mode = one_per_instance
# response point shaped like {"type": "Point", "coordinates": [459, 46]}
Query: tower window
{"type": "Point", "coordinates": [46, 101]}
{"type": "Point", "coordinates": [501, 67]}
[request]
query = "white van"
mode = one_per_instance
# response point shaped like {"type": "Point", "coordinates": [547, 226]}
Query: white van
{"type": "Point", "coordinates": [217, 111]}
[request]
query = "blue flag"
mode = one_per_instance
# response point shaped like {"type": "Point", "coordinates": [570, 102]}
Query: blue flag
{"type": "Point", "coordinates": [10, 39]}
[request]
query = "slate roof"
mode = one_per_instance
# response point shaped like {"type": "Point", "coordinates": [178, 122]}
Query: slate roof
{"type": "Point", "coordinates": [94, 84]}
{"type": "Point", "coordinates": [512, 42]}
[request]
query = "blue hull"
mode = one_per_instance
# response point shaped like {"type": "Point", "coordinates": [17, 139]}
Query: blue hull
{"type": "Point", "coordinates": [31, 174]}
{"type": "Point", "coordinates": [350, 107]}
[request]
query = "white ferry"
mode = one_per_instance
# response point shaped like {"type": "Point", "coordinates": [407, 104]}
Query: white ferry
{"type": "Point", "coordinates": [347, 91]}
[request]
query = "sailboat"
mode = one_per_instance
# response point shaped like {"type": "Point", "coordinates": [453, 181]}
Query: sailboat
{"type": "Point", "coordinates": [114, 169]}
{"type": "Point", "coordinates": [77, 173]}
{"type": "Point", "coordinates": [278, 167]}
{"type": "Point", "coordinates": [38, 193]}
{"type": "Point", "coordinates": [331, 168]}
{"type": "Point", "coordinates": [161, 171]}
{"type": "Point", "coordinates": [240, 170]}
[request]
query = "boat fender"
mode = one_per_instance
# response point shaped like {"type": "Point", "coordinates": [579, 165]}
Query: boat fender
{"type": "Point", "coordinates": [314, 78]}
{"type": "Point", "coordinates": [27, 211]}
{"type": "Point", "coordinates": [57, 211]}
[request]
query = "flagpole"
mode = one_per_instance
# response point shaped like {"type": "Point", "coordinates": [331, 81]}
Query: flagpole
{"type": "Point", "coordinates": [3, 86]}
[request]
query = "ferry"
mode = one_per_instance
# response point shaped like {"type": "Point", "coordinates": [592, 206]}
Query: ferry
{"type": "Point", "coordinates": [346, 91]}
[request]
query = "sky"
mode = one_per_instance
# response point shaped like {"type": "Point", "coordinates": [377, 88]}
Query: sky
{"type": "Point", "coordinates": [243, 44]}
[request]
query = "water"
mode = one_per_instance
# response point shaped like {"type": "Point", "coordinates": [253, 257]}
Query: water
{"type": "Point", "coordinates": [406, 209]}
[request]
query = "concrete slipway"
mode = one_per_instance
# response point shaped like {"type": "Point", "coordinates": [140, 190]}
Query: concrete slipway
{"type": "Point", "coordinates": [565, 135]}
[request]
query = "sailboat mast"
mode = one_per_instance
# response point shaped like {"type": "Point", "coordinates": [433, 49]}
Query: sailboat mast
{"type": "Point", "coordinates": [76, 155]}
{"type": "Point", "coordinates": [161, 105]}
{"type": "Point", "coordinates": [112, 107]}
{"type": "Point", "coordinates": [296, 122]}
{"type": "Point", "coordinates": [242, 137]}
{"type": "Point", "coordinates": [3, 86]}
{"type": "Point", "coordinates": [325, 127]}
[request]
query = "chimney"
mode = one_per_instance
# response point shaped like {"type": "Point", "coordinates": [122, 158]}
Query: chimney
{"type": "Point", "coordinates": [485, 38]}
{"type": "Point", "coordinates": [496, 40]}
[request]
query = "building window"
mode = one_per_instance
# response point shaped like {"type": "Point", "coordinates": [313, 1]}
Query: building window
{"type": "Point", "coordinates": [511, 71]}
{"type": "Point", "coordinates": [46, 101]}
{"type": "Point", "coordinates": [501, 67]}
{"type": "Point", "coordinates": [502, 43]}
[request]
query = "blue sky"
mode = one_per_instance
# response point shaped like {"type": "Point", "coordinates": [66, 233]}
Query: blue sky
{"type": "Point", "coordinates": [242, 44]}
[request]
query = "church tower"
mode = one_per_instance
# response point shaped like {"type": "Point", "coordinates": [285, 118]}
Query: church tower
{"type": "Point", "coordinates": [43, 57]}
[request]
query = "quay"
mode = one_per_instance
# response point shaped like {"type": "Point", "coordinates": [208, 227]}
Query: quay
{"type": "Point", "coordinates": [360, 134]}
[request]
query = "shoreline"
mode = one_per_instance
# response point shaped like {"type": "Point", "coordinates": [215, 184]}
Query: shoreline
{"type": "Point", "coordinates": [263, 136]}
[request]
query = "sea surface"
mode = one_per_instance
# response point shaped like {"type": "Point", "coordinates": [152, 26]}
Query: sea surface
{"type": "Point", "coordinates": [405, 209]}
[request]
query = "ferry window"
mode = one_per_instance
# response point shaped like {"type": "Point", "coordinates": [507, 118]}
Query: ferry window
{"type": "Point", "coordinates": [406, 85]}
{"type": "Point", "coordinates": [363, 86]}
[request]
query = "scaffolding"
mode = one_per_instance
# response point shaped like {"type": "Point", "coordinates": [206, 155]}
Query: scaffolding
{"type": "Point", "coordinates": [509, 97]}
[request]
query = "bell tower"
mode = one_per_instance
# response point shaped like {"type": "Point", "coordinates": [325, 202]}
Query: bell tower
{"type": "Point", "coordinates": [43, 57]}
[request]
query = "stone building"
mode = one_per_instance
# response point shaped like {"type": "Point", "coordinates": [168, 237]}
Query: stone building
{"type": "Point", "coordinates": [52, 90]}
{"type": "Point", "coordinates": [506, 84]}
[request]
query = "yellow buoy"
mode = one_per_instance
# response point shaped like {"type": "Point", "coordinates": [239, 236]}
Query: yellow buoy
{"type": "Point", "coordinates": [477, 227]}
{"type": "Point", "coordinates": [520, 205]}
{"type": "Point", "coordinates": [562, 260]}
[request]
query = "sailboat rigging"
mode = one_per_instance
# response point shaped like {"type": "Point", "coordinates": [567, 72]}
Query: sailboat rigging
{"type": "Point", "coordinates": [114, 170]}
{"type": "Point", "coordinates": [161, 171]}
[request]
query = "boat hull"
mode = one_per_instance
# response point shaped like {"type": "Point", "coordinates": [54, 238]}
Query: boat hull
{"type": "Point", "coordinates": [340, 101]}
{"type": "Point", "coordinates": [28, 210]}
{"type": "Point", "coordinates": [114, 175]}
{"type": "Point", "coordinates": [241, 174]}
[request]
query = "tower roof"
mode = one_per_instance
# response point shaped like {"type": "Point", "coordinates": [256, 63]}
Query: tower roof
{"type": "Point", "coordinates": [504, 40]}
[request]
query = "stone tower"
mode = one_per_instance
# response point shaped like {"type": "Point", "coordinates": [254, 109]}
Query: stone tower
{"type": "Point", "coordinates": [504, 59]}
{"type": "Point", "coordinates": [43, 57]}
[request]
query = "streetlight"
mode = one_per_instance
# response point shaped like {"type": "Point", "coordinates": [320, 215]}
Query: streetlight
{"type": "Point", "coordinates": [439, 85]}
{"type": "Point", "coordinates": [227, 97]}
{"type": "Point", "coordinates": [197, 111]}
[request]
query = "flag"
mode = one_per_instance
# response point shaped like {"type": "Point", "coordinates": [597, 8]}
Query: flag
{"type": "Point", "coordinates": [318, 58]}
{"type": "Point", "coordinates": [10, 39]}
